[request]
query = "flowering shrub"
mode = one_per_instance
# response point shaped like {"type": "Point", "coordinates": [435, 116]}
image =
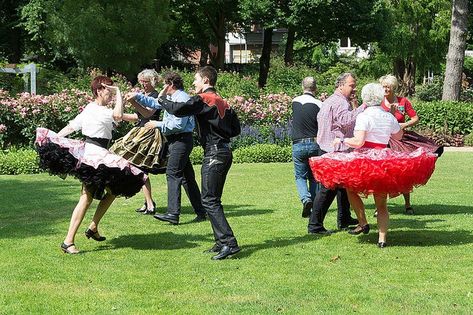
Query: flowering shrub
{"type": "Point", "coordinates": [273, 109]}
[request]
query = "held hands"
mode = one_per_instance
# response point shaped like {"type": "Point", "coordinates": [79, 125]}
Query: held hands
{"type": "Point", "coordinates": [151, 124]}
{"type": "Point", "coordinates": [130, 96]}
{"type": "Point", "coordinates": [354, 101]}
{"type": "Point", "coordinates": [323, 96]}
{"type": "Point", "coordinates": [336, 142]}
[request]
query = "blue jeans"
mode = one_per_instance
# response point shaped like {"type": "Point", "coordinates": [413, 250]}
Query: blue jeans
{"type": "Point", "coordinates": [307, 186]}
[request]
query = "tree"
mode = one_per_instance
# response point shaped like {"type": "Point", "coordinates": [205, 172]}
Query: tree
{"type": "Point", "coordinates": [456, 51]}
{"type": "Point", "coordinates": [416, 38]}
{"type": "Point", "coordinates": [12, 36]}
{"type": "Point", "coordinates": [117, 36]}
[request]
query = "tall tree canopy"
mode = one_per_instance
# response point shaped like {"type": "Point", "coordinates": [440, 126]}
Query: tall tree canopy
{"type": "Point", "coordinates": [416, 37]}
{"type": "Point", "coordinates": [119, 35]}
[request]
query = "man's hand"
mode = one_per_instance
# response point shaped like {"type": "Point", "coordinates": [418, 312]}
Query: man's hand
{"type": "Point", "coordinates": [130, 96]}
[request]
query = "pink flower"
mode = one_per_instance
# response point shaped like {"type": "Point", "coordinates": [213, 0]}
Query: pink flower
{"type": "Point", "coordinates": [3, 128]}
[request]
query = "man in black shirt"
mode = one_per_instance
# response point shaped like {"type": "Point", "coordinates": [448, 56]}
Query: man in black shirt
{"type": "Point", "coordinates": [304, 142]}
{"type": "Point", "coordinates": [217, 123]}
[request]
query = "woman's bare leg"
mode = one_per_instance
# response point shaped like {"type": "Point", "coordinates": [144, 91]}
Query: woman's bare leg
{"type": "Point", "coordinates": [78, 215]}
{"type": "Point", "coordinates": [380, 201]}
{"type": "Point", "coordinates": [358, 206]}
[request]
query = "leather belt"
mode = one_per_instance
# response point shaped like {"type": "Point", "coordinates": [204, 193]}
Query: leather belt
{"type": "Point", "coordinates": [305, 140]}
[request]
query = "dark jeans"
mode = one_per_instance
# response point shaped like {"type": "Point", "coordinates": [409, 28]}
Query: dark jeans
{"type": "Point", "coordinates": [179, 172]}
{"type": "Point", "coordinates": [322, 202]}
{"type": "Point", "coordinates": [215, 166]}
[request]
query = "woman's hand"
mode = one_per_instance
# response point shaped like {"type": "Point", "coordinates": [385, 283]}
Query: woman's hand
{"type": "Point", "coordinates": [130, 96]}
{"type": "Point", "coordinates": [336, 141]}
{"type": "Point", "coordinates": [112, 88]}
{"type": "Point", "coordinates": [151, 124]}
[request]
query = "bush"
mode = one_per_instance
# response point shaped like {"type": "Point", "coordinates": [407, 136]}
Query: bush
{"type": "Point", "coordinates": [263, 153]}
{"type": "Point", "coordinates": [468, 140]}
{"type": "Point", "coordinates": [18, 161]}
{"type": "Point", "coordinates": [445, 117]}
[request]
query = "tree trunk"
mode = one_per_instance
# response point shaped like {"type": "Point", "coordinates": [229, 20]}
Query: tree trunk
{"type": "Point", "coordinates": [405, 71]}
{"type": "Point", "coordinates": [265, 57]}
{"type": "Point", "coordinates": [221, 32]}
{"type": "Point", "coordinates": [204, 55]}
{"type": "Point", "coordinates": [456, 51]}
{"type": "Point", "coordinates": [289, 52]}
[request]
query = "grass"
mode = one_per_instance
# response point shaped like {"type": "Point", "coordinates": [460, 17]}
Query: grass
{"type": "Point", "coordinates": [149, 267]}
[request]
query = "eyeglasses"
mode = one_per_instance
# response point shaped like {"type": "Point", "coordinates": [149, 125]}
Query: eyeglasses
{"type": "Point", "coordinates": [144, 81]}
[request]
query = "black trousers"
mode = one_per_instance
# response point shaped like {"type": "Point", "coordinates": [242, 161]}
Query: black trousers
{"type": "Point", "coordinates": [215, 166]}
{"type": "Point", "coordinates": [322, 202]}
{"type": "Point", "coordinates": [179, 172]}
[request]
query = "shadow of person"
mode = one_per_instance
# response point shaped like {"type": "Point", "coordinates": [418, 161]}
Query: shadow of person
{"type": "Point", "coordinates": [431, 209]}
{"type": "Point", "coordinates": [248, 250]}
{"type": "Point", "coordinates": [411, 223]}
{"type": "Point", "coordinates": [422, 238]}
{"type": "Point", "coordinates": [155, 241]}
{"type": "Point", "coordinates": [235, 211]}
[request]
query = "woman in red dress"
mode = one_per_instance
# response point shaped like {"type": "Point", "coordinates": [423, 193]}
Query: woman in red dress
{"type": "Point", "coordinates": [400, 107]}
{"type": "Point", "coordinates": [372, 168]}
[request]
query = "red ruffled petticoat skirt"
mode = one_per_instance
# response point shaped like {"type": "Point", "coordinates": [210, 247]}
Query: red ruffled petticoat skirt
{"type": "Point", "coordinates": [97, 168]}
{"type": "Point", "coordinates": [368, 171]}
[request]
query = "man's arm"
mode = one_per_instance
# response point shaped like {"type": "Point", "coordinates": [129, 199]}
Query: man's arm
{"type": "Point", "coordinates": [146, 101]}
{"type": "Point", "coordinates": [193, 106]}
{"type": "Point", "coordinates": [345, 117]}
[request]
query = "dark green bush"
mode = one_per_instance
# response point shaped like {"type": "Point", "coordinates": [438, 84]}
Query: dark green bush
{"type": "Point", "coordinates": [468, 140]}
{"type": "Point", "coordinates": [263, 153]}
{"type": "Point", "coordinates": [18, 161]}
{"type": "Point", "coordinates": [445, 117]}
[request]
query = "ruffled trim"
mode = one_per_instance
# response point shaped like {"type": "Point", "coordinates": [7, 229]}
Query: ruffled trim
{"type": "Point", "coordinates": [96, 169]}
{"type": "Point", "coordinates": [368, 171]}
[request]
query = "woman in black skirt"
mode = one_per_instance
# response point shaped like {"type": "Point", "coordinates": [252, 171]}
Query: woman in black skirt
{"type": "Point", "coordinates": [103, 175]}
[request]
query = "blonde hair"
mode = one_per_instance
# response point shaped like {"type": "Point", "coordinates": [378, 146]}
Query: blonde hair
{"type": "Point", "coordinates": [151, 75]}
{"type": "Point", "coordinates": [372, 94]}
{"type": "Point", "coordinates": [389, 80]}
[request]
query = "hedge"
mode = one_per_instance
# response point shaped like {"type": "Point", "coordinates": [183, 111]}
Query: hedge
{"type": "Point", "coordinates": [25, 161]}
{"type": "Point", "coordinates": [445, 117]}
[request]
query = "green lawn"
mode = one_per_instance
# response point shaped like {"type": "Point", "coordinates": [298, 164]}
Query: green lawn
{"type": "Point", "coordinates": [149, 267]}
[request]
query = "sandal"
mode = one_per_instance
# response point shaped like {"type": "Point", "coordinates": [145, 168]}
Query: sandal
{"type": "Point", "coordinates": [94, 235]}
{"type": "Point", "coordinates": [151, 211]}
{"type": "Point", "coordinates": [67, 250]}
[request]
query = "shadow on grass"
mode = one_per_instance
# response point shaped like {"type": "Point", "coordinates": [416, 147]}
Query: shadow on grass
{"type": "Point", "coordinates": [154, 241]}
{"type": "Point", "coordinates": [432, 209]}
{"type": "Point", "coordinates": [233, 211]}
{"type": "Point", "coordinates": [248, 250]}
{"type": "Point", "coordinates": [422, 238]}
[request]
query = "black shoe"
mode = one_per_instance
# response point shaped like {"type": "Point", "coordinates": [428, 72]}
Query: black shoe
{"type": "Point", "coordinates": [94, 235]}
{"type": "Point", "coordinates": [171, 218]}
{"type": "Point", "coordinates": [143, 208]}
{"type": "Point", "coordinates": [382, 244]}
{"type": "Point", "coordinates": [365, 229]}
{"type": "Point", "coordinates": [307, 209]}
{"type": "Point", "coordinates": [322, 232]}
{"type": "Point", "coordinates": [349, 222]}
{"type": "Point", "coordinates": [67, 250]}
{"type": "Point", "coordinates": [226, 251]}
{"type": "Point", "coordinates": [215, 249]}
{"type": "Point", "coordinates": [409, 211]}
{"type": "Point", "coordinates": [199, 218]}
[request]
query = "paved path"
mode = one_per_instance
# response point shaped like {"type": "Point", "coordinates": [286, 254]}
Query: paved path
{"type": "Point", "coordinates": [458, 149]}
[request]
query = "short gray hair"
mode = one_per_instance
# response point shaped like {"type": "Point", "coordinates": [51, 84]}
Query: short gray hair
{"type": "Point", "coordinates": [151, 75]}
{"type": "Point", "coordinates": [372, 94]}
{"type": "Point", "coordinates": [343, 77]}
{"type": "Point", "coordinates": [309, 84]}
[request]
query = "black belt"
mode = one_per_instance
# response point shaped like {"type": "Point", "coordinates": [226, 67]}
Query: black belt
{"type": "Point", "coordinates": [305, 140]}
{"type": "Point", "coordinates": [177, 136]}
{"type": "Point", "coordinates": [101, 142]}
{"type": "Point", "coordinates": [222, 145]}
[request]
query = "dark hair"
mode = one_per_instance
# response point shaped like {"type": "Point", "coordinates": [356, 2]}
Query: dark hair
{"type": "Point", "coordinates": [343, 77]}
{"type": "Point", "coordinates": [174, 79]}
{"type": "Point", "coordinates": [97, 83]}
{"type": "Point", "coordinates": [210, 73]}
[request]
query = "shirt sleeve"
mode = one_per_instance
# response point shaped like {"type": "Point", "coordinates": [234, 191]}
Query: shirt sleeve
{"type": "Point", "coordinates": [76, 123]}
{"type": "Point", "coordinates": [362, 123]}
{"type": "Point", "coordinates": [147, 101]}
{"type": "Point", "coordinates": [193, 106]}
{"type": "Point", "coordinates": [344, 116]}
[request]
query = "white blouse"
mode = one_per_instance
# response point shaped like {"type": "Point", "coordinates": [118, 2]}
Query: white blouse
{"type": "Point", "coordinates": [95, 121]}
{"type": "Point", "coordinates": [378, 124]}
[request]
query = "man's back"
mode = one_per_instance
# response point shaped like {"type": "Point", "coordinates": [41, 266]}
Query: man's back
{"type": "Point", "coordinates": [304, 110]}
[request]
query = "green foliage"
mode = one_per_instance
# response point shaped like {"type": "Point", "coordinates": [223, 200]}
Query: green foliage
{"type": "Point", "coordinates": [197, 155]}
{"type": "Point", "coordinates": [445, 117]}
{"type": "Point", "coordinates": [263, 153]}
{"type": "Point", "coordinates": [468, 140]}
{"type": "Point", "coordinates": [119, 35]}
{"type": "Point", "coordinates": [18, 161]}
{"type": "Point", "coordinates": [431, 91]}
